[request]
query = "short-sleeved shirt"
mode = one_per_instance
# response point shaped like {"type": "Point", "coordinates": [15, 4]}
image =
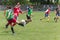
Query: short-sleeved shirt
{"type": "Point", "coordinates": [29, 11]}
{"type": "Point", "coordinates": [47, 11]}
{"type": "Point", "coordinates": [9, 14]}
{"type": "Point", "coordinates": [17, 10]}
{"type": "Point", "coordinates": [57, 10]}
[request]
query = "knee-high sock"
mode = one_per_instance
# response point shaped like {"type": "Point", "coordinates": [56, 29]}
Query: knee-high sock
{"type": "Point", "coordinates": [12, 30]}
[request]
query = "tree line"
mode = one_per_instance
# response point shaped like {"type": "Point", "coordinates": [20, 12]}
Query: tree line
{"type": "Point", "coordinates": [13, 2]}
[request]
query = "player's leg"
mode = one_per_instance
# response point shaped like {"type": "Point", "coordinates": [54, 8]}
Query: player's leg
{"type": "Point", "coordinates": [22, 23]}
{"type": "Point", "coordinates": [17, 22]}
{"type": "Point", "coordinates": [48, 18]}
{"type": "Point", "coordinates": [29, 18]}
{"type": "Point", "coordinates": [7, 25]}
{"type": "Point", "coordinates": [27, 21]}
{"type": "Point", "coordinates": [12, 25]}
{"type": "Point", "coordinates": [56, 18]}
{"type": "Point", "coordinates": [12, 29]}
{"type": "Point", "coordinates": [16, 19]}
{"type": "Point", "coordinates": [9, 21]}
{"type": "Point", "coordinates": [44, 17]}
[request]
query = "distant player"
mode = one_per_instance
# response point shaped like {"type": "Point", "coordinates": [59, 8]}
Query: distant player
{"type": "Point", "coordinates": [47, 12]}
{"type": "Point", "coordinates": [11, 19]}
{"type": "Point", "coordinates": [29, 14]}
{"type": "Point", "coordinates": [57, 12]}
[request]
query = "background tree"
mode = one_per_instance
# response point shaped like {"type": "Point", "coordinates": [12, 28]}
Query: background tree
{"type": "Point", "coordinates": [36, 2]}
{"type": "Point", "coordinates": [45, 1]}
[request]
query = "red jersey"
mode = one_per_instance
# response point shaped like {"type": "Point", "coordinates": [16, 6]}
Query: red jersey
{"type": "Point", "coordinates": [47, 11]}
{"type": "Point", "coordinates": [17, 10]}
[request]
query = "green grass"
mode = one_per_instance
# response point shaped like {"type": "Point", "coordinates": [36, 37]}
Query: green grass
{"type": "Point", "coordinates": [35, 30]}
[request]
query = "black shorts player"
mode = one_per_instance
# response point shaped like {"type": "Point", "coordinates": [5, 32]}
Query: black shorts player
{"type": "Point", "coordinates": [57, 14]}
{"type": "Point", "coordinates": [28, 17]}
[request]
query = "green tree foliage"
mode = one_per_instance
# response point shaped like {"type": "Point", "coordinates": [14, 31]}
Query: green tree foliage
{"type": "Point", "coordinates": [13, 2]}
{"type": "Point", "coordinates": [44, 1]}
{"type": "Point", "coordinates": [10, 2]}
{"type": "Point", "coordinates": [56, 1]}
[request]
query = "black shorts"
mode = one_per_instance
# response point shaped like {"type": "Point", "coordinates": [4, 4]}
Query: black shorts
{"type": "Point", "coordinates": [28, 17]}
{"type": "Point", "coordinates": [57, 14]}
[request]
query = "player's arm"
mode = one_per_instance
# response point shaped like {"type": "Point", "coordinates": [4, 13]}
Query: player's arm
{"type": "Point", "coordinates": [46, 11]}
{"type": "Point", "coordinates": [4, 12]}
{"type": "Point", "coordinates": [25, 11]}
{"type": "Point", "coordinates": [20, 11]}
{"type": "Point", "coordinates": [55, 11]}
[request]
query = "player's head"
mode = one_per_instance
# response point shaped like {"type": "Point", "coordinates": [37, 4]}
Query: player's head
{"type": "Point", "coordinates": [49, 8]}
{"type": "Point", "coordinates": [18, 4]}
{"type": "Point", "coordinates": [8, 7]}
{"type": "Point", "coordinates": [31, 6]}
{"type": "Point", "coordinates": [58, 6]}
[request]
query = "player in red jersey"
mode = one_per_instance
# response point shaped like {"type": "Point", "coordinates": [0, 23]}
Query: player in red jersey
{"type": "Point", "coordinates": [47, 12]}
{"type": "Point", "coordinates": [17, 10]}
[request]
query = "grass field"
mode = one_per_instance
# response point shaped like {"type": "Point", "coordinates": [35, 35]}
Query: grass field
{"type": "Point", "coordinates": [35, 30]}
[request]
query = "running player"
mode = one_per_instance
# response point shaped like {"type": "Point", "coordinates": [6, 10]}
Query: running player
{"type": "Point", "coordinates": [47, 12]}
{"type": "Point", "coordinates": [57, 12]}
{"type": "Point", "coordinates": [17, 10]}
{"type": "Point", "coordinates": [29, 14]}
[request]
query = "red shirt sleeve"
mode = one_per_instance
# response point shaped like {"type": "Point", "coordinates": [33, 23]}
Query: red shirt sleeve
{"type": "Point", "coordinates": [47, 11]}
{"type": "Point", "coordinates": [20, 10]}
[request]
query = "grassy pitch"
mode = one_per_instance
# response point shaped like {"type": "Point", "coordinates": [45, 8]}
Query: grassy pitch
{"type": "Point", "coordinates": [35, 30]}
